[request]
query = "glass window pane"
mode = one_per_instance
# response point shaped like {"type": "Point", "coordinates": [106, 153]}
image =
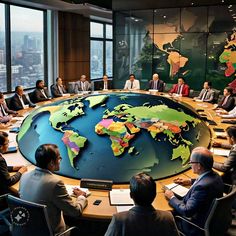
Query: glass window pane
{"type": "Point", "coordinates": [96, 57]}
{"type": "Point", "coordinates": [109, 32]}
{"type": "Point", "coordinates": [96, 30]}
{"type": "Point", "coordinates": [3, 76]}
{"type": "Point", "coordinates": [109, 52]}
{"type": "Point", "coordinates": [27, 52]}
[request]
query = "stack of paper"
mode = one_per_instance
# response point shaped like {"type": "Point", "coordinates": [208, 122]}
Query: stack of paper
{"type": "Point", "coordinates": [70, 188]}
{"type": "Point", "coordinates": [177, 189]}
{"type": "Point", "coordinates": [220, 152]}
{"type": "Point", "coordinates": [120, 197]}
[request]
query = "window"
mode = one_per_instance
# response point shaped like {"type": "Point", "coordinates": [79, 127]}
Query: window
{"type": "Point", "coordinates": [101, 50]}
{"type": "Point", "coordinates": [3, 71]}
{"type": "Point", "coordinates": [22, 47]}
{"type": "Point", "coordinates": [27, 55]}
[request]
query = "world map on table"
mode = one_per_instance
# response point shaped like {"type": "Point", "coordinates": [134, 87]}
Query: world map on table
{"type": "Point", "coordinates": [116, 135]}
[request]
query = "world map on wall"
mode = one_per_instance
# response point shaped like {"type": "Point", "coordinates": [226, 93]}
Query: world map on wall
{"type": "Point", "coordinates": [116, 135]}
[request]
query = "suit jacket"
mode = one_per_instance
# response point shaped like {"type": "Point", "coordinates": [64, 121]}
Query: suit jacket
{"type": "Point", "coordinates": [37, 95]}
{"type": "Point", "coordinates": [209, 97]}
{"type": "Point", "coordinates": [15, 103]}
{"type": "Point", "coordinates": [5, 179]}
{"type": "Point", "coordinates": [101, 85]}
{"type": "Point", "coordinates": [78, 86]}
{"type": "Point", "coordinates": [229, 105]}
{"type": "Point", "coordinates": [56, 92]}
{"type": "Point", "coordinates": [136, 85]}
{"type": "Point", "coordinates": [228, 167]}
{"type": "Point", "coordinates": [6, 118]}
{"type": "Point", "coordinates": [185, 90]}
{"type": "Point", "coordinates": [47, 189]}
{"type": "Point", "coordinates": [160, 85]}
{"type": "Point", "coordinates": [140, 221]}
{"type": "Point", "coordinates": [198, 200]}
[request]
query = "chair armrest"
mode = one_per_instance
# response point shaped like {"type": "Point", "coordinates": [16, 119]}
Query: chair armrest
{"type": "Point", "coordinates": [66, 231]}
{"type": "Point", "coordinates": [189, 222]}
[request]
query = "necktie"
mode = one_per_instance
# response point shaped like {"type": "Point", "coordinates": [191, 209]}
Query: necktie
{"type": "Point", "coordinates": [105, 85]}
{"type": "Point", "coordinates": [225, 100]}
{"type": "Point", "coordinates": [3, 111]}
{"type": "Point", "coordinates": [179, 89]}
{"type": "Point", "coordinates": [155, 84]}
{"type": "Point", "coordinates": [60, 90]}
{"type": "Point", "coordinates": [42, 91]}
{"type": "Point", "coordinates": [22, 102]}
{"type": "Point", "coordinates": [131, 84]}
{"type": "Point", "coordinates": [204, 95]}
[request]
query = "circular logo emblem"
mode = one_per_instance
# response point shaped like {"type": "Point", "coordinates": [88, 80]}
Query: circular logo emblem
{"type": "Point", "coordinates": [20, 216]}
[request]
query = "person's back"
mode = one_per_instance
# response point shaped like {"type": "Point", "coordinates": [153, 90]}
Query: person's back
{"type": "Point", "coordinates": [143, 218]}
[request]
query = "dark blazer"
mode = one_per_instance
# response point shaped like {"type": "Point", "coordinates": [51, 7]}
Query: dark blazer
{"type": "Point", "coordinates": [37, 95]}
{"type": "Point", "coordinates": [160, 85]}
{"type": "Point", "coordinates": [6, 118]}
{"type": "Point", "coordinates": [229, 105]}
{"type": "Point", "coordinates": [15, 103]}
{"type": "Point", "coordinates": [198, 200]}
{"type": "Point", "coordinates": [142, 221]}
{"type": "Point", "coordinates": [228, 167]}
{"type": "Point", "coordinates": [5, 179]}
{"type": "Point", "coordinates": [185, 90]}
{"type": "Point", "coordinates": [56, 92]}
{"type": "Point", "coordinates": [100, 85]}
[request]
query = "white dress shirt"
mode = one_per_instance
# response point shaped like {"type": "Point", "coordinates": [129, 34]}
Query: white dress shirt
{"type": "Point", "coordinates": [132, 86]}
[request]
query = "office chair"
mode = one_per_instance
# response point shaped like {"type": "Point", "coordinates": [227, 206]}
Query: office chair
{"type": "Point", "coordinates": [28, 218]}
{"type": "Point", "coordinates": [4, 215]}
{"type": "Point", "coordinates": [219, 218]}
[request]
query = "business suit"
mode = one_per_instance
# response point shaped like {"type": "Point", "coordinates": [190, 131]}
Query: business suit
{"type": "Point", "coordinates": [140, 221]}
{"type": "Point", "coordinates": [229, 105]}
{"type": "Point", "coordinates": [184, 92]}
{"type": "Point", "coordinates": [228, 167]}
{"type": "Point", "coordinates": [135, 85]}
{"type": "Point", "coordinates": [38, 96]}
{"type": "Point", "coordinates": [46, 189]}
{"type": "Point", "coordinates": [82, 86]}
{"type": "Point", "coordinates": [206, 95]}
{"type": "Point", "coordinates": [15, 103]}
{"type": "Point", "coordinates": [198, 200]}
{"type": "Point", "coordinates": [5, 179]}
{"type": "Point", "coordinates": [101, 85]}
{"type": "Point", "coordinates": [56, 91]}
{"type": "Point", "coordinates": [4, 118]}
{"type": "Point", "coordinates": [159, 85]}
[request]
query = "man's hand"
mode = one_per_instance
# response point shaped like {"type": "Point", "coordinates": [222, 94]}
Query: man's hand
{"type": "Point", "coordinates": [184, 182]}
{"type": "Point", "coordinates": [77, 192]}
{"type": "Point", "coordinates": [23, 169]}
{"type": "Point", "coordinates": [169, 194]}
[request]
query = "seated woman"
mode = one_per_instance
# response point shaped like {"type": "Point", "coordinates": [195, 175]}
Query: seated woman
{"type": "Point", "coordinates": [5, 179]}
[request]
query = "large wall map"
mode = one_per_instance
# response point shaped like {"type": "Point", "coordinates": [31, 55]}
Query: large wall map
{"type": "Point", "coordinates": [114, 136]}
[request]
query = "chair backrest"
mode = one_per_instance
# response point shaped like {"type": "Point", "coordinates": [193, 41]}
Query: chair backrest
{"type": "Point", "coordinates": [216, 95]}
{"type": "Point", "coordinates": [71, 87]}
{"type": "Point", "coordinates": [28, 218]}
{"type": "Point", "coordinates": [31, 96]}
{"type": "Point", "coordinates": [167, 87]}
{"type": "Point", "coordinates": [220, 217]}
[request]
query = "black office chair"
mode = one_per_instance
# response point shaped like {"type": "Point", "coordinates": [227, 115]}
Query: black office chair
{"type": "Point", "coordinates": [219, 218]}
{"type": "Point", "coordinates": [28, 218]}
{"type": "Point", "coordinates": [4, 215]}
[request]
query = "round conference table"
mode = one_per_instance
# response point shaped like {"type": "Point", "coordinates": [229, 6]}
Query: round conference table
{"type": "Point", "coordinates": [104, 210]}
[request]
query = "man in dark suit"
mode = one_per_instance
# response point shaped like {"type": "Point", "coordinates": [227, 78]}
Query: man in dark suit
{"type": "Point", "coordinates": [58, 89]}
{"type": "Point", "coordinates": [156, 83]}
{"type": "Point", "coordinates": [180, 89]}
{"type": "Point", "coordinates": [19, 100]}
{"type": "Point", "coordinates": [105, 84]}
{"type": "Point", "coordinates": [143, 218]}
{"type": "Point", "coordinates": [227, 102]}
{"type": "Point", "coordinates": [5, 113]}
{"type": "Point", "coordinates": [40, 94]}
{"type": "Point", "coordinates": [204, 190]}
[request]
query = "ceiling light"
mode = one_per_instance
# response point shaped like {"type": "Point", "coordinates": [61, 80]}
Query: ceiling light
{"type": "Point", "coordinates": [229, 6]}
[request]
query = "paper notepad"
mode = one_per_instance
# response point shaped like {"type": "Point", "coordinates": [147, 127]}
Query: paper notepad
{"type": "Point", "coordinates": [120, 197]}
{"type": "Point", "coordinates": [70, 188]}
{"type": "Point", "coordinates": [220, 152]}
{"type": "Point", "coordinates": [177, 189]}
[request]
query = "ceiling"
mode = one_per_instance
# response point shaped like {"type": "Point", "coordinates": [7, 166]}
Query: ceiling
{"type": "Point", "coordinates": [101, 9]}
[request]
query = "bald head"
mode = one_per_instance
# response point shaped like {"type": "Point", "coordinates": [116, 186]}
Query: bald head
{"type": "Point", "coordinates": [155, 77]}
{"type": "Point", "coordinates": [203, 156]}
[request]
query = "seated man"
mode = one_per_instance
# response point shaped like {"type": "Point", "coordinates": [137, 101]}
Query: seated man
{"type": "Point", "coordinates": [180, 89]}
{"type": "Point", "coordinates": [106, 84]}
{"type": "Point", "coordinates": [224, 114]}
{"type": "Point", "coordinates": [207, 94]}
{"type": "Point", "coordinates": [7, 180]}
{"type": "Point", "coordinates": [227, 102]}
{"type": "Point", "coordinates": [19, 100]}
{"type": "Point", "coordinates": [156, 83]}
{"type": "Point", "coordinates": [45, 188]}
{"type": "Point", "coordinates": [82, 84]}
{"type": "Point", "coordinates": [5, 113]}
{"type": "Point", "coordinates": [132, 83]}
{"type": "Point", "coordinates": [229, 166]}
{"type": "Point", "coordinates": [143, 218]}
{"type": "Point", "coordinates": [58, 89]}
{"type": "Point", "coordinates": [40, 94]}
{"type": "Point", "coordinates": [204, 190]}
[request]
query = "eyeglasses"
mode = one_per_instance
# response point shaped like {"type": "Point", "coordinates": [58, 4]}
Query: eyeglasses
{"type": "Point", "coordinates": [193, 162]}
{"type": "Point", "coordinates": [59, 158]}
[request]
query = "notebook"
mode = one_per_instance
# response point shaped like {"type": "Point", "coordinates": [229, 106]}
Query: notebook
{"type": "Point", "coordinates": [177, 189]}
{"type": "Point", "coordinates": [120, 197]}
{"type": "Point", "coordinates": [70, 188]}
